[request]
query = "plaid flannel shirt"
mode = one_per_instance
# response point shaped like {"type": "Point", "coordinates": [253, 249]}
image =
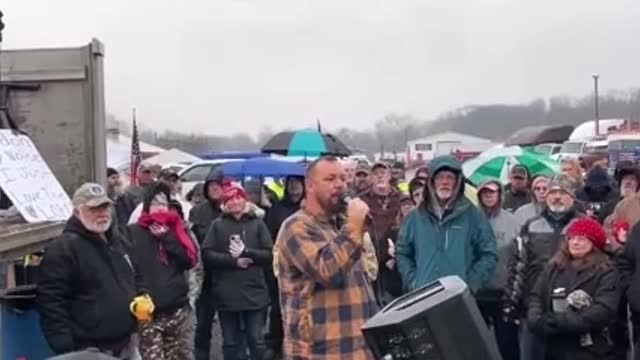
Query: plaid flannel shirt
{"type": "Point", "coordinates": [325, 295]}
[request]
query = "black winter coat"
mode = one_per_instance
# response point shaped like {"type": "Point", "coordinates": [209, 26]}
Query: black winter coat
{"type": "Point", "coordinates": [562, 330]}
{"type": "Point", "coordinates": [202, 216]}
{"type": "Point", "coordinates": [629, 267]}
{"type": "Point", "coordinates": [85, 286]}
{"type": "Point", "coordinates": [167, 283]}
{"type": "Point", "coordinates": [129, 200]}
{"type": "Point", "coordinates": [278, 213]}
{"type": "Point", "coordinates": [234, 288]}
{"type": "Point", "coordinates": [512, 201]}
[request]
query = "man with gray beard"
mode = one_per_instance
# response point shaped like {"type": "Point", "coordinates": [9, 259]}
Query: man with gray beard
{"type": "Point", "coordinates": [539, 240]}
{"type": "Point", "coordinates": [87, 282]}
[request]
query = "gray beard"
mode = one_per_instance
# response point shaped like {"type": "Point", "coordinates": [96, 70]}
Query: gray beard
{"type": "Point", "coordinates": [558, 209]}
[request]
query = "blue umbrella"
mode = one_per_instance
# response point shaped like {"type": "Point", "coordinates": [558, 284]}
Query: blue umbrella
{"type": "Point", "coordinates": [259, 167]}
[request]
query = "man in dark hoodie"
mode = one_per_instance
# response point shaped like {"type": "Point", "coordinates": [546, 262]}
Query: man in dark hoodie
{"type": "Point", "coordinates": [516, 193]}
{"type": "Point", "coordinates": [506, 228]}
{"type": "Point", "coordinates": [201, 218]}
{"type": "Point", "coordinates": [597, 193]}
{"type": "Point", "coordinates": [279, 212]}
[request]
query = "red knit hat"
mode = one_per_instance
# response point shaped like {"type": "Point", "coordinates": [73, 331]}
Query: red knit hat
{"type": "Point", "coordinates": [589, 228]}
{"type": "Point", "coordinates": [232, 190]}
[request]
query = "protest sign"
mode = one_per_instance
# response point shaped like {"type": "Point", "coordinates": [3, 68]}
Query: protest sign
{"type": "Point", "coordinates": [28, 181]}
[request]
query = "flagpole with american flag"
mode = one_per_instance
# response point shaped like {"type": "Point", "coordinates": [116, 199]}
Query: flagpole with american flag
{"type": "Point", "coordinates": [135, 151]}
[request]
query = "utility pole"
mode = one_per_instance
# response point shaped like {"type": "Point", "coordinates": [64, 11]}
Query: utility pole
{"type": "Point", "coordinates": [595, 92]}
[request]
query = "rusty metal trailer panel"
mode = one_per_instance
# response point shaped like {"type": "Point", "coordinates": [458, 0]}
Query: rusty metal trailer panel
{"type": "Point", "coordinates": [64, 114]}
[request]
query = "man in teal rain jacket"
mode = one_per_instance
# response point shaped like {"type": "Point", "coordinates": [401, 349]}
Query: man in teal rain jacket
{"type": "Point", "coordinates": [446, 234]}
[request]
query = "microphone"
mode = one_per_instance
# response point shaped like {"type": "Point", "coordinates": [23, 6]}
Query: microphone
{"type": "Point", "coordinates": [346, 199]}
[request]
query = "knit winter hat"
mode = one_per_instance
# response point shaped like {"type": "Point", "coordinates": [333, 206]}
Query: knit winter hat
{"type": "Point", "coordinates": [232, 190]}
{"type": "Point", "coordinates": [564, 183]}
{"type": "Point", "coordinates": [589, 228]}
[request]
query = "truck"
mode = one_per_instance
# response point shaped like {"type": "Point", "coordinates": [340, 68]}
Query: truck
{"type": "Point", "coordinates": [56, 97]}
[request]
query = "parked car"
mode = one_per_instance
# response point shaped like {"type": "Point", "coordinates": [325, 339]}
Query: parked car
{"type": "Point", "coordinates": [197, 172]}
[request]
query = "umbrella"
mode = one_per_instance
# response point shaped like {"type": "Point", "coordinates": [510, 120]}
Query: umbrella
{"type": "Point", "coordinates": [262, 167]}
{"type": "Point", "coordinates": [496, 162]}
{"type": "Point", "coordinates": [305, 143]}
{"type": "Point", "coordinates": [536, 135]}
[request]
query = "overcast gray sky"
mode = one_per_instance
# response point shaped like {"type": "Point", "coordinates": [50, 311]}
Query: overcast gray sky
{"type": "Point", "coordinates": [222, 66]}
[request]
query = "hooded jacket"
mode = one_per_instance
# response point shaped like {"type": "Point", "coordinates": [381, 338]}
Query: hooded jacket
{"type": "Point", "coordinates": [234, 288]}
{"type": "Point", "coordinates": [202, 215]}
{"type": "Point", "coordinates": [455, 240]}
{"type": "Point", "coordinates": [85, 286]}
{"type": "Point", "coordinates": [282, 209]}
{"type": "Point", "coordinates": [506, 228]}
{"type": "Point", "coordinates": [598, 193]}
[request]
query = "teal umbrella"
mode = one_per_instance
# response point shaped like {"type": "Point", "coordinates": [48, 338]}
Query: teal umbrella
{"type": "Point", "coordinates": [305, 143]}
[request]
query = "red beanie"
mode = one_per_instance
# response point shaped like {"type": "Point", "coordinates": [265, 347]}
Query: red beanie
{"type": "Point", "coordinates": [231, 190]}
{"type": "Point", "coordinates": [589, 228]}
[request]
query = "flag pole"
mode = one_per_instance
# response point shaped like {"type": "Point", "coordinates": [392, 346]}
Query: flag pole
{"type": "Point", "coordinates": [135, 150]}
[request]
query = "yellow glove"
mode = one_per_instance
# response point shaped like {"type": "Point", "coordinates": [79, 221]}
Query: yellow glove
{"type": "Point", "coordinates": [142, 308]}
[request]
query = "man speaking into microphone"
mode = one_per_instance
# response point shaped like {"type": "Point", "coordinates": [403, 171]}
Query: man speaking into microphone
{"type": "Point", "coordinates": [324, 292]}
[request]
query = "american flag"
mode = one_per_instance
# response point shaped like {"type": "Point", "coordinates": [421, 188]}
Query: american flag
{"type": "Point", "coordinates": [135, 151]}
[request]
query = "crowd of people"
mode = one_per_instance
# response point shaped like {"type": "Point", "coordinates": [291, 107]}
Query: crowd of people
{"type": "Point", "coordinates": [230, 273]}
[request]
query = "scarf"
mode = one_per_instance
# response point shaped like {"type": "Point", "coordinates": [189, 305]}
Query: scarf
{"type": "Point", "coordinates": [160, 223]}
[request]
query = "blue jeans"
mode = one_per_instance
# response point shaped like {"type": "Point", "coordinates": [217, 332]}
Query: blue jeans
{"type": "Point", "coordinates": [240, 328]}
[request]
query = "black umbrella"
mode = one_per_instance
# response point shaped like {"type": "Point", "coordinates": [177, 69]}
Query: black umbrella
{"type": "Point", "coordinates": [305, 143]}
{"type": "Point", "coordinates": [536, 135]}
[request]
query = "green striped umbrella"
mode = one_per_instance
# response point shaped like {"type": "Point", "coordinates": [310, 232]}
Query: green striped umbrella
{"type": "Point", "coordinates": [305, 143]}
{"type": "Point", "coordinates": [495, 163]}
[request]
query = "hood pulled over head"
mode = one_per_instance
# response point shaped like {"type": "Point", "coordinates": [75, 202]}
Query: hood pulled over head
{"type": "Point", "coordinates": [441, 163]}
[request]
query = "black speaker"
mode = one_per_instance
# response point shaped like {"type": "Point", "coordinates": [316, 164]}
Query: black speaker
{"type": "Point", "coordinates": [439, 321]}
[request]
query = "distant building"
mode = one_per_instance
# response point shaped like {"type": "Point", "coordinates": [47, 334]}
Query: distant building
{"type": "Point", "coordinates": [388, 157]}
{"type": "Point", "coordinates": [449, 142]}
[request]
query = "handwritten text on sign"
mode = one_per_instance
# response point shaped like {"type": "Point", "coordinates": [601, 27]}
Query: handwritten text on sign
{"type": "Point", "coordinates": [28, 181]}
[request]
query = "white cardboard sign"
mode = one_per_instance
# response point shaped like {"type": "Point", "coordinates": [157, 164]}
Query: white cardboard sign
{"type": "Point", "coordinates": [28, 181]}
